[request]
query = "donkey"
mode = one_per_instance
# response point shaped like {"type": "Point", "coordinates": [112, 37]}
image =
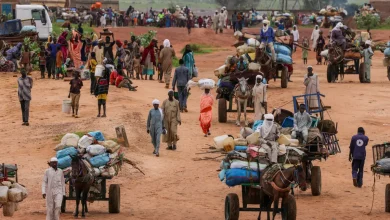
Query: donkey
{"type": "Point", "coordinates": [242, 92]}
{"type": "Point", "coordinates": [279, 187]}
{"type": "Point", "coordinates": [81, 179]}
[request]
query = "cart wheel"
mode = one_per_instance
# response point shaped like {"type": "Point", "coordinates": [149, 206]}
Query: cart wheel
{"type": "Point", "coordinates": [290, 208]}
{"type": "Point", "coordinates": [284, 77]}
{"type": "Point", "coordinates": [329, 71]}
{"type": "Point", "coordinates": [232, 207]}
{"type": "Point", "coordinates": [388, 72]}
{"type": "Point", "coordinates": [361, 73]}
{"type": "Point", "coordinates": [114, 199]}
{"type": "Point", "coordinates": [63, 205]}
{"type": "Point", "coordinates": [316, 181]}
{"type": "Point", "coordinates": [387, 198]}
{"type": "Point", "coordinates": [222, 111]}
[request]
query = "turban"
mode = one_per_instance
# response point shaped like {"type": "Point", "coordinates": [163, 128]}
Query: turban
{"type": "Point", "coordinates": [156, 102]}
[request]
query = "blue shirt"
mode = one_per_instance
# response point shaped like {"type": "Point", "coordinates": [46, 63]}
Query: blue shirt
{"type": "Point", "coordinates": [268, 36]}
{"type": "Point", "coordinates": [358, 146]}
{"type": "Point", "coordinates": [53, 50]}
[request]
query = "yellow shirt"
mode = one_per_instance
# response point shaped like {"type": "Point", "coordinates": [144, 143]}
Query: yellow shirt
{"type": "Point", "coordinates": [92, 64]}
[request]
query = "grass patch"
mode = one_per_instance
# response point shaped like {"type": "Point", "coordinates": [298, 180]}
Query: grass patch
{"type": "Point", "coordinates": [198, 49]}
{"type": "Point", "coordinates": [57, 29]}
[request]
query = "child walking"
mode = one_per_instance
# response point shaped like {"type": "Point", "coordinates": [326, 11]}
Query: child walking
{"type": "Point", "coordinates": [92, 68]}
{"type": "Point", "coordinates": [305, 44]}
{"type": "Point", "coordinates": [137, 66]}
{"type": "Point", "coordinates": [26, 59]}
{"type": "Point", "coordinates": [58, 62]}
{"type": "Point", "coordinates": [42, 63]}
{"type": "Point", "coordinates": [74, 93]}
{"type": "Point", "coordinates": [101, 92]}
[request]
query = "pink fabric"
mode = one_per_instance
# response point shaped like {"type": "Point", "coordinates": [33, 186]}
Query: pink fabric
{"type": "Point", "coordinates": [206, 107]}
{"type": "Point", "coordinates": [76, 49]}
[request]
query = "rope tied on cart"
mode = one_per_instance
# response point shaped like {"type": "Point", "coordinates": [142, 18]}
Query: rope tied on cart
{"type": "Point", "coordinates": [373, 196]}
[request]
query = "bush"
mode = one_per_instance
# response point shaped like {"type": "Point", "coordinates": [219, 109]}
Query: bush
{"type": "Point", "coordinates": [387, 21]}
{"type": "Point", "coordinates": [368, 21]}
{"type": "Point", "coordinates": [198, 49]}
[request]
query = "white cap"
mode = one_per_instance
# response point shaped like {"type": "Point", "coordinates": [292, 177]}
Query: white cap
{"type": "Point", "coordinates": [265, 21]}
{"type": "Point", "coordinates": [368, 42]}
{"type": "Point", "coordinates": [269, 116]}
{"type": "Point", "coordinates": [156, 102]}
{"type": "Point", "coordinates": [309, 67]}
{"type": "Point", "coordinates": [53, 159]}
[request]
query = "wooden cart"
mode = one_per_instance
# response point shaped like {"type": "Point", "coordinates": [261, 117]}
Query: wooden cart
{"type": "Point", "coordinates": [99, 195]}
{"type": "Point", "coordinates": [252, 195]}
{"type": "Point", "coordinates": [378, 152]}
{"type": "Point", "coordinates": [8, 172]}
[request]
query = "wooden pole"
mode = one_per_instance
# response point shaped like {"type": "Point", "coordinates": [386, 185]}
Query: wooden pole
{"type": "Point", "coordinates": [121, 136]}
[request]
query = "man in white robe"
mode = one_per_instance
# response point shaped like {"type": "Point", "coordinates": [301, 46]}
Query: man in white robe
{"type": "Point", "coordinates": [216, 22]}
{"type": "Point", "coordinates": [53, 190]}
{"type": "Point", "coordinates": [295, 33]}
{"type": "Point", "coordinates": [259, 94]}
{"type": "Point", "coordinates": [221, 21]}
{"type": "Point", "coordinates": [314, 37]}
{"type": "Point", "coordinates": [302, 123]}
{"type": "Point", "coordinates": [312, 87]}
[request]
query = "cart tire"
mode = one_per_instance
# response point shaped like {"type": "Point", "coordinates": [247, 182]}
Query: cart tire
{"type": "Point", "coordinates": [232, 207]}
{"type": "Point", "coordinates": [387, 198]}
{"type": "Point", "coordinates": [63, 204]}
{"type": "Point", "coordinates": [329, 73]}
{"type": "Point", "coordinates": [114, 200]}
{"type": "Point", "coordinates": [316, 181]}
{"type": "Point", "coordinates": [361, 73]}
{"type": "Point", "coordinates": [290, 209]}
{"type": "Point", "coordinates": [222, 110]}
{"type": "Point", "coordinates": [284, 77]}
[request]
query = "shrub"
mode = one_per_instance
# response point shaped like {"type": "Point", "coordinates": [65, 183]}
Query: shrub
{"type": "Point", "coordinates": [368, 21]}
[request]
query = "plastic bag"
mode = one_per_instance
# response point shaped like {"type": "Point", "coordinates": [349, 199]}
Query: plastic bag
{"type": "Point", "coordinates": [100, 160]}
{"type": "Point", "coordinates": [84, 142]}
{"type": "Point", "coordinates": [70, 151]}
{"type": "Point", "coordinates": [3, 194]}
{"type": "Point", "coordinates": [111, 146]}
{"type": "Point", "coordinates": [64, 162]}
{"type": "Point", "coordinates": [195, 72]}
{"type": "Point", "coordinates": [23, 189]}
{"type": "Point", "coordinates": [206, 84]}
{"type": "Point", "coordinates": [15, 195]}
{"type": "Point", "coordinates": [96, 149]}
{"type": "Point", "coordinates": [97, 135]}
{"type": "Point", "coordinates": [70, 140]}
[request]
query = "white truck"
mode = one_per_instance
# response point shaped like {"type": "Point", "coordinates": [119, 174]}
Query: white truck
{"type": "Point", "coordinates": [41, 17]}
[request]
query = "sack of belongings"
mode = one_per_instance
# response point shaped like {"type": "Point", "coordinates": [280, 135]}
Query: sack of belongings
{"type": "Point", "coordinates": [10, 195]}
{"type": "Point", "coordinates": [382, 166]}
{"type": "Point", "coordinates": [206, 84]}
{"type": "Point", "coordinates": [70, 151]}
{"type": "Point", "coordinates": [239, 176]}
{"type": "Point", "coordinates": [254, 66]}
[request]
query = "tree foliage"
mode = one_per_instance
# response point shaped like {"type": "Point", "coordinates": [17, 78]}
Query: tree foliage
{"type": "Point", "coordinates": [145, 38]}
{"type": "Point", "coordinates": [367, 21]}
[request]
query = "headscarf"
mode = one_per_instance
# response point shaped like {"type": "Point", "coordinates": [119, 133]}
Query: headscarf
{"type": "Point", "coordinates": [265, 29]}
{"type": "Point", "coordinates": [316, 27]}
{"type": "Point", "coordinates": [259, 77]}
{"type": "Point", "coordinates": [118, 43]}
{"type": "Point", "coordinates": [167, 43]}
{"type": "Point", "coordinates": [187, 51]}
{"type": "Point", "coordinates": [62, 38]}
{"type": "Point", "coordinates": [147, 50]}
{"type": "Point", "coordinates": [266, 128]}
{"type": "Point", "coordinates": [156, 102]}
{"type": "Point", "coordinates": [338, 26]}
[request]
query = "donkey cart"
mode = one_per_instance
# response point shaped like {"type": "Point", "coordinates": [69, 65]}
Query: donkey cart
{"type": "Point", "coordinates": [98, 192]}
{"type": "Point", "coordinates": [322, 140]}
{"type": "Point", "coordinates": [226, 96]}
{"type": "Point", "coordinates": [382, 151]}
{"type": "Point", "coordinates": [252, 195]}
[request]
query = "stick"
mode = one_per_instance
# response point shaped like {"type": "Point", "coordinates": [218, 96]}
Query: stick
{"type": "Point", "coordinates": [207, 158]}
{"type": "Point", "coordinates": [295, 45]}
{"type": "Point", "coordinates": [212, 151]}
{"type": "Point", "coordinates": [133, 164]}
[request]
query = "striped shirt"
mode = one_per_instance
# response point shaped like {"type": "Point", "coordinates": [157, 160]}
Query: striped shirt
{"type": "Point", "coordinates": [24, 88]}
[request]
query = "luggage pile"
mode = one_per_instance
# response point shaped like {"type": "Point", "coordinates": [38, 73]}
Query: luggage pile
{"type": "Point", "coordinates": [367, 10]}
{"type": "Point", "coordinates": [104, 156]}
{"type": "Point", "coordinates": [11, 194]}
{"type": "Point", "coordinates": [246, 158]}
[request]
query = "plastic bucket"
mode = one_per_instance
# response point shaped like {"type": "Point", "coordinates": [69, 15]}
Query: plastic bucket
{"type": "Point", "coordinates": [66, 106]}
{"type": "Point", "coordinates": [99, 70]}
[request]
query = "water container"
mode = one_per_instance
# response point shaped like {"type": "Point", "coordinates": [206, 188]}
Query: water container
{"type": "Point", "coordinates": [66, 106]}
{"type": "Point", "coordinates": [218, 141]}
{"type": "Point", "coordinates": [99, 70]}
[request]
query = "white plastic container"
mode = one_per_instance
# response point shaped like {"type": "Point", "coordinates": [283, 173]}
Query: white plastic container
{"type": "Point", "coordinates": [218, 141]}
{"type": "Point", "coordinates": [99, 70]}
{"type": "Point", "coordinates": [66, 106]}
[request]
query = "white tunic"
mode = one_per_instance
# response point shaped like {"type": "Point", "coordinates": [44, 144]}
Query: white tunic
{"type": "Point", "coordinates": [259, 94]}
{"type": "Point", "coordinates": [53, 185]}
{"type": "Point", "coordinates": [312, 87]}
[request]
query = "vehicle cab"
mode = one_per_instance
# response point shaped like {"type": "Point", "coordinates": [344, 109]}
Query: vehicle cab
{"type": "Point", "coordinates": [41, 17]}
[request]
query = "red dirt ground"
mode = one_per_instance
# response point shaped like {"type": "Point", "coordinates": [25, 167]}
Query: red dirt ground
{"type": "Point", "coordinates": [175, 186]}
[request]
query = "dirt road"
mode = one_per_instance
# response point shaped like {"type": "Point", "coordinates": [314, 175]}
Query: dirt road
{"type": "Point", "coordinates": [176, 186]}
